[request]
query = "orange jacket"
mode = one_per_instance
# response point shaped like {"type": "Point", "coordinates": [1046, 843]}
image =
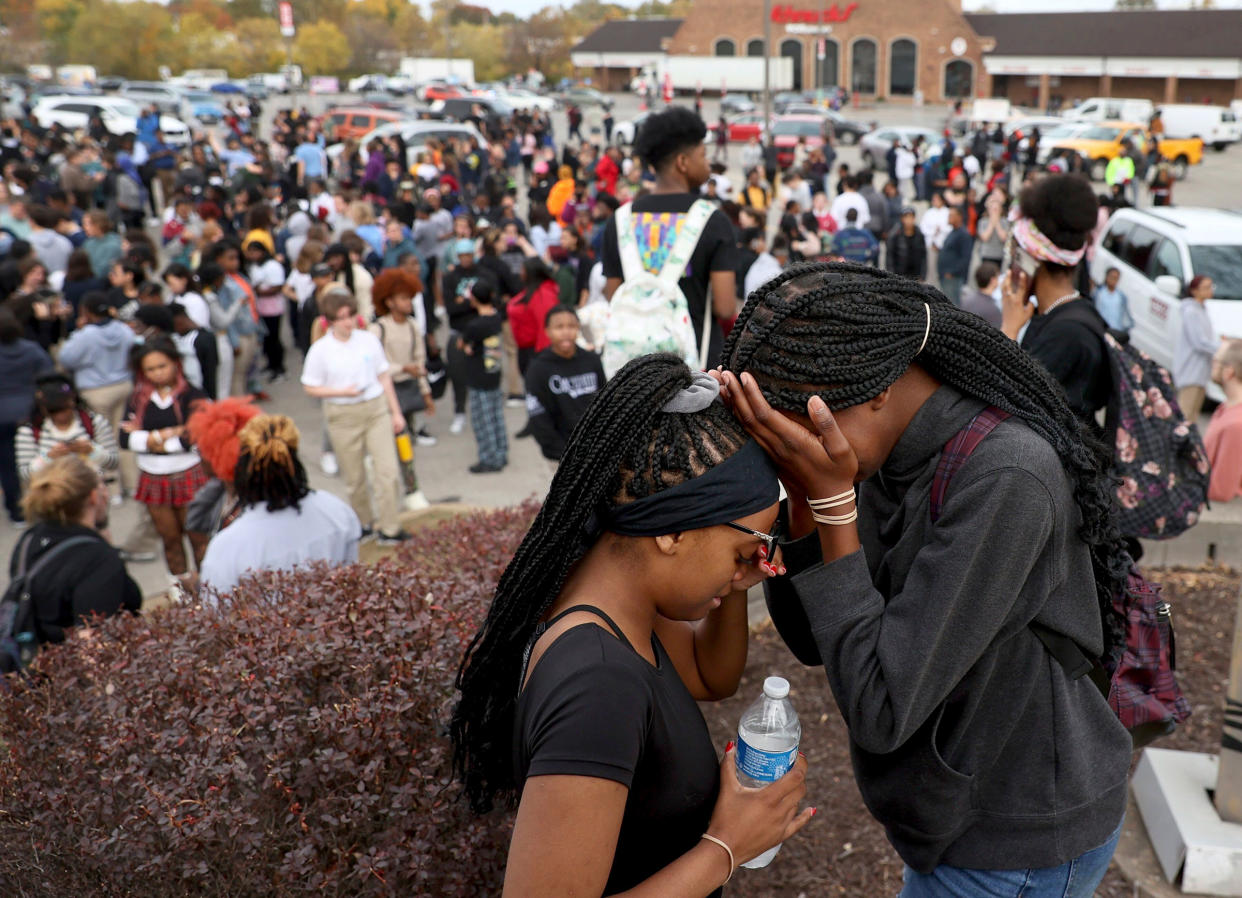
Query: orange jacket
{"type": "Point", "coordinates": [559, 195]}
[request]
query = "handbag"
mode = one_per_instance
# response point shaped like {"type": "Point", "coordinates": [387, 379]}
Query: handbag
{"type": "Point", "coordinates": [409, 396]}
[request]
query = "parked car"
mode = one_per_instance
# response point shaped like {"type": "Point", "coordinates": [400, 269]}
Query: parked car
{"type": "Point", "coordinates": [415, 133]}
{"type": "Point", "coordinates": [228, 87]}
{"type": "Point", "coordinates": [521, 98]}
{"type": "Point", "coordinates": [844, 130]}
{"type": "Point", "coordinates": [735, 104]}
{"type": "Point", "coordinates": [1103, 142]}
{"type": "Point", "coordinates": [276, 82]}
{"type": "Point", "coordinates": [1214, 125]}
{"type": "Point", "coordinates": [381, 99]}
{"type": "Point", "coordinates": [743, 127]}
{"type": "Point", "coordinates": [583, 96]}
{"type": "Point", "coordinates": [109, 82]}
{"type": "Point", "coordinates": [1158, 251]}
{"type": "Point", "coordinates": [364, 83]}
{"type": "Point", "coordinates": [204, 106]}
{"type": "Point", "coordinates": [344, 122]}
{"type": "Point", "coordinates": [786, 98]}
{"type": "Point", "coordinates": [119, 115]}
{"type": "Point", "coordinates": [787, 130]}
{"type": "Point", "coordinates": [461, 108]}
{"type": "Point", "coordinates": [439, 90]}
{"type": "Point", "coordinates": [875, 144]}
{"type": "Point", "coordinates": [623, 133]}
{"type": "Point", "coordinates": [167, 99]}
{"type": "Point", "coordinates": [1104, 109]}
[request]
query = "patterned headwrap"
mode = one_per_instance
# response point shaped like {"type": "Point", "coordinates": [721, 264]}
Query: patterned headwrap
{"type": "Point", "coordinates": [1036, 242]}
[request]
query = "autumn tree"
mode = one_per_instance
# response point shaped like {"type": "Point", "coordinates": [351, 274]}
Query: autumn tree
{"type": "Point", "coordinates": [320, 48]}
{"type": "Point", "coordinates": [55, 21]}
{"type": "Point", "coordinates": [260, 48]}
{"type": "Point", "coordinates": [128, 39]}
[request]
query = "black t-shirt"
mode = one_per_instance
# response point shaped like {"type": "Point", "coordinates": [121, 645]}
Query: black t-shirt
{"type": "Point", "coordinates": [594, 707]}
{"type": "Point", "coordinates": [1068, 341]}
{"type": "Point", "coordinates": [657, 219]}
{"type": "Point", "coordinates": [486, 361]}
{"type": "Point", "coordinates": [558, 392]}
{"type": "Point", "coordinates": [456, 302]}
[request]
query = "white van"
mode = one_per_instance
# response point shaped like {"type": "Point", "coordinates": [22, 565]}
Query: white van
{"type": "Point", "coordinates": [1111, 109]}
{"type": "Point", "coordinates": [1158, 251]}
{"type": "Point", "coordinates": [1216, 126]}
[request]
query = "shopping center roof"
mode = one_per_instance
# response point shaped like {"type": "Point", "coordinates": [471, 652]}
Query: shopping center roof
{"type": "Point", "coordinates": [1193, 33]}
{"type": "Point", "coordinates": [629, 36]}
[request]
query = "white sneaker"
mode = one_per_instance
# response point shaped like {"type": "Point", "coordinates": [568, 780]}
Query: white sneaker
{"type": "Point", "coordinates": [117, 501]}
{"type": "Point", "coordinates": [425, 439]}
{"type": "Point", "coordinates": [416, 501]}
{"type": "Point", "coordinates": [458, 425]}
{"type": "Point", "coordinates": [327, 463]}
{"type": "Point", "coordinates": [515, 402]}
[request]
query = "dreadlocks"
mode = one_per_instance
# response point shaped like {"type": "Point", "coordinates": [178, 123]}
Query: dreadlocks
{"type": "Point", "coordinates": [268, 467]}
{"type": "Point", "coordinates": [847, 332]}
{"type": "Point", "coordinates": [623, 449]}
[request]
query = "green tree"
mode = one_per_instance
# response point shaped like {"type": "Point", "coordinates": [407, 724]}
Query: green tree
{"type": "Point", "coordinates": [321, 49]}
{"type": "Point", "coordinates": [56, 18]}
{"type": "Point", "coordinates": [128, 39]}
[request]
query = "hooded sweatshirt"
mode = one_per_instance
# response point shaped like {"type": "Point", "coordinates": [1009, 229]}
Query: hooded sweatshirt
{"type": "Point", "coordinates": [98, 354]}
{"type": "Point", "coordinates": [20, 362]}
{"type": "Point", "coordinates": [299, 225]}
{"type": "Point", "coordinates": [103, 250]}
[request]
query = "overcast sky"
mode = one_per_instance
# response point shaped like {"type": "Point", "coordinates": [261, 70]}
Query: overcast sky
{"type": "Point", "coordinates": [526, 7]}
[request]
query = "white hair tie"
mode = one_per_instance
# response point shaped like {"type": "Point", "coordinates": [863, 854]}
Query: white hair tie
{"type": "Point", "coordinates": [926, 330]}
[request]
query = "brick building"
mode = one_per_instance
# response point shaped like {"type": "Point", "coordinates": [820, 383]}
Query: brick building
{"type": "Point", "coordinates": [902, 49]}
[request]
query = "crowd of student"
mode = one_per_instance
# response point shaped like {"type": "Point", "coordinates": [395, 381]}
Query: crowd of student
{"type": "Point", "coordinates": [397, 279]}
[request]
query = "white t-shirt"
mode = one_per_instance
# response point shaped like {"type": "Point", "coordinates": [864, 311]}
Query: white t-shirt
{"type": "Point", "coordinates": [935, 225]}
{"type": "Point", "coordinates": [303, 286]}
{"type": "Point", "coordinates": [195, 307]}
{"type": "Point", "coordinates": [905, 164]}
{"type": "Point", "coordinates": [851, 199]}
{"type": "Point", "coordinates": [322, 528]}
{"type": "Point", "coordinates": [356, 362]}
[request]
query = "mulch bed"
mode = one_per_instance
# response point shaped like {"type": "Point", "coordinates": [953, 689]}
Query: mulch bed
{"type": "Point", "coordinates": [844, 851]}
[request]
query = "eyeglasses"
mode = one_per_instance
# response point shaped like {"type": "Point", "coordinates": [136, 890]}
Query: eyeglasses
{"type": "Point", "coordinates": [768, 539]}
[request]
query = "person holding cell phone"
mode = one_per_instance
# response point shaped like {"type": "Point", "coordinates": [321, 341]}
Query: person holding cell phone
{"type": "Point", "coordinates": [1042, 309]}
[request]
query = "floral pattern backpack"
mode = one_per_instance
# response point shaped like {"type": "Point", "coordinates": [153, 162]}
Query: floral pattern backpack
{"type": "Point", "coordinates": [1158, 455]}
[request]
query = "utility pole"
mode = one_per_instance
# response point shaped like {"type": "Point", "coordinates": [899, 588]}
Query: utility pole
{"type": "Point", "coordinates": [1229, 778]}
{"type": "Point", "coordinates": [767, 69]}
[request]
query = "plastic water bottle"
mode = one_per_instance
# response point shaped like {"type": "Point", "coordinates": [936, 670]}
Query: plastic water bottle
{"type": "Point", "coordinates": [767, 745]}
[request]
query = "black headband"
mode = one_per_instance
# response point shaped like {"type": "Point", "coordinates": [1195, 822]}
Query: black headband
{"type": "Point", "coordinates": [741, 485]}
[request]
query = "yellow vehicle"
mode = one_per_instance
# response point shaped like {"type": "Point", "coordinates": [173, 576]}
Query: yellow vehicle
{"type": "Point", "coordinates": [1102, 142]}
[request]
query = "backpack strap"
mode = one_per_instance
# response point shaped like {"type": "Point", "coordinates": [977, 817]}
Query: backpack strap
{"type": "Point", "coordinates": [958, 449]}
{"type": "Point", "coordinates": [87, 424]}
{"type": "Point", "coordinates": [50, 555]}
{"type": "Point", "coordinates": [627, 242]}
{"type": "Point", "coordinates": [687, 239]}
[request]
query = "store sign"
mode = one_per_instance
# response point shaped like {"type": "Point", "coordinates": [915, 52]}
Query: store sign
{"type": "Point", "coordinates": [285, 14]}
{"type": "Point", "coordinates": [789, 15]}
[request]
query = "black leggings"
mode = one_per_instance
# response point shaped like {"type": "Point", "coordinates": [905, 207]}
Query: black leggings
{"type": "Point", "coordinates": [272, 347]}
{"type": "Point", "coordinates": [456, 363]}
{"type": "Point", "coordinates": [9, 481]}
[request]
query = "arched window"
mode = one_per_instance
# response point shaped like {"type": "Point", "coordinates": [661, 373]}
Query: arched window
{"type": "Point", "coordinates": [726, 47]}
{"type": "Point", "coordinates": [959, 78]}
{"type": "Point", "coordinates": [829, 76]}
{"type": "Point", "coordinates": [793, 49]}
{"type": "Point", "coordinates": [754, 47]}
{"type": "Point", "coordinates": [902, 68]}
{"type": "Point", "coordinates": [862, 66]}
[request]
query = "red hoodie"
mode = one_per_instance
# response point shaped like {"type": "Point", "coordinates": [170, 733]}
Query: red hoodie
{"type": "Point", "coordinates": [607, 173]}
{"type": "Point", "coordinates": [526, 318]}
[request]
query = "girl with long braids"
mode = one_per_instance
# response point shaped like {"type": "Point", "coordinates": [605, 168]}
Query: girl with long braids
{"type": "Point", "coordinates": [995, 772]}
{"type": "Point", "coordinates": [624, 604]}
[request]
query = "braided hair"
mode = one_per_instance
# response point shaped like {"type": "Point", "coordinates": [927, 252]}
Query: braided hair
{"type": "Point", "coordinates": [847, 332]}
{"type": "Point", "coordinates": [623, 449]}
{"type": "Point", "coordinates": [268, 468]}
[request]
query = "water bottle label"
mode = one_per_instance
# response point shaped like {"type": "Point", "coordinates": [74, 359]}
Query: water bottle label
{"type": "Point", "coordinates": [766, 766]}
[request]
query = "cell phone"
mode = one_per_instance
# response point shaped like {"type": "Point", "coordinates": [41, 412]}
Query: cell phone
{"type": "Point", "coordinates": [1021, 260]}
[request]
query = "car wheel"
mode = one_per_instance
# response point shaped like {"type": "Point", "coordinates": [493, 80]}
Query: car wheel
{"type": "Point", "coordinates": [1098, 168]}
{"type": "Point", "coordinates": [1180, 166]}
{"type": "Point", "coordinates": [1219, 146]}
{"type": "Point", "coordinates": [867, 161]}
{"type": "Point", "coordinates": [849, 138]}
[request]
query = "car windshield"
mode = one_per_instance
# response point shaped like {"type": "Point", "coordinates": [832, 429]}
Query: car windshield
{"type": "Point", "coordinates": [1223, 264]}
{"type": "Point", "coordinates": [1101, 133]}
{"type": "Point", "coordinates": [797, 129]}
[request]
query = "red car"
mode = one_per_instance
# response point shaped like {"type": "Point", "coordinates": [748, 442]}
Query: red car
{"type": "Point", "coordinates": [441, 92]}
{"type": "Point", "coordinates": [743, 127]}
{"type": "Point", "coordinates": [786, 131]}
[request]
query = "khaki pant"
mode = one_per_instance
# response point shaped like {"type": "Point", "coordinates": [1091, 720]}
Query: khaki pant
{"type": "Point", "coordinates": [1191, 401]}
{"type": "Point", "coordinates": [109, 401]}
{"type": "Point", "coordinates": [247, 348]}
{"type": "Point", "coordinates": [358, 430]}
{"type": "Point", "coordinates": [514, 385]}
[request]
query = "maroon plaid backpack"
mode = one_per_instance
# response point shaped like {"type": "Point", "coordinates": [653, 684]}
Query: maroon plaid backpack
{"type": "Point", "coordinates": [1137, 677]}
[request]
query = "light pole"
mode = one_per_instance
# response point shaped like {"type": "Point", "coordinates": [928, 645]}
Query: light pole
{"type": "Point", "coordinates": [767, 68]}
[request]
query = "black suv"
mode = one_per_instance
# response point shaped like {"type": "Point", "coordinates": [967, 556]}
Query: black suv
{"type": "Point", "coordinates": [460, 108]}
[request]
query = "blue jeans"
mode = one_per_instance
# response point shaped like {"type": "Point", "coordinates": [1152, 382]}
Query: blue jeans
{"type": "Point", "coordinates": [1076, 879]}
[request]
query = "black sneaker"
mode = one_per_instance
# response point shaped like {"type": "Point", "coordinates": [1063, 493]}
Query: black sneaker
{"type": "Point", "coordinates": [481, 468]}
{"type": "Point", "coordinates": [386, 539]}
{"type": "Point", "coordinates": [523, 433]}
{"type": "Point", "coordinates": [367, 533]}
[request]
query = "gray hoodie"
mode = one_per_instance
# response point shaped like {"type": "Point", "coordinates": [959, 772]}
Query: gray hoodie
{"type": "Point", "coordinates": [970, 743]}
{"type": "Point", "coordinates": [98, 354]}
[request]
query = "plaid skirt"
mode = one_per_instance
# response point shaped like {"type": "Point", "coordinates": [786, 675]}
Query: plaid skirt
{"type": "Point", "coordinates": [175, 490]}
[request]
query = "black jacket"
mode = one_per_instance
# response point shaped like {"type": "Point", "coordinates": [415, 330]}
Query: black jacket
{"type": "Point", "coordinates": [907, 255]}
{"type": "Point", "coordinates": [86, 579]}
{"type": "Point", "coordinates": [558, 391]}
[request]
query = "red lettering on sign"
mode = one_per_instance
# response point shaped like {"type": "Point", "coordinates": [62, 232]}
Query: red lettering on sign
{"type": "Point", "coordinates": [1159, 309]}
{"type": "Point", "coordinates": [786, 14]}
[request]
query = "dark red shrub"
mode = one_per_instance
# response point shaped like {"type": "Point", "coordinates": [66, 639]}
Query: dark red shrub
{"type": "Point", "coordinates": [292, 742]}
